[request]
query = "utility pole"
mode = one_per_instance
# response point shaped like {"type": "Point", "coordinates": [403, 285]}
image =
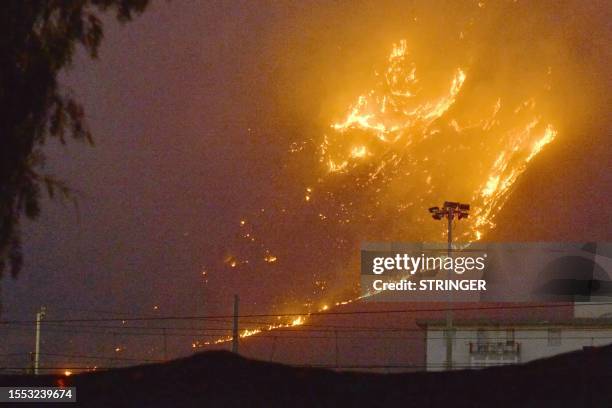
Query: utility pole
{"type": "Point", "coordinates": [273, 348]}
{"type": "Point", "coordinates": [449, 210]}
{"type": "Point", "coordinates": [165, 344]}
{"type": "Point", "coordinates": [235, 335]}
{"type": "Point", "coordinates": [39, 317]}
{"type": "Point", "coordinates": [336, 336]}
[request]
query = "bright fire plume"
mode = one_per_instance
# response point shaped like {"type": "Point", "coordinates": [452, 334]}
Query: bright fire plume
{"type": "Point", "coordinates": [298, 321]}
{"type": "Point", "coordinates": [415, 139]}
{"type": "Point", "coordinates": [435, 143]}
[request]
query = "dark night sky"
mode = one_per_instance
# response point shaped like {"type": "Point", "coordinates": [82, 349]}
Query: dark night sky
{"type": "Point", "coordinates": [171, 101]}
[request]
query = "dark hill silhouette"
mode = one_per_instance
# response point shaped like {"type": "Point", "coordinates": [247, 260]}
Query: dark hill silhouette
{"type": "Point", "coordinates": [222, 379]}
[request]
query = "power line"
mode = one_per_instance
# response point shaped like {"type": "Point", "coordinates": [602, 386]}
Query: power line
{"type": "Point", "coordinates": [326, 313]}
{"type": "Point", "coordinates": [367, 334]}
{"type": "Point", "coordinates": [90, 357]}
{"type": "Point", "coordinates": [314, 366]}
{"type": "Point", "coordinates": [189, 332]}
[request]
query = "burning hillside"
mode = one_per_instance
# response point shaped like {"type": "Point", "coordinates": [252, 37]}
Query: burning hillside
{"type": "Point", "coordinates": [457, 115]}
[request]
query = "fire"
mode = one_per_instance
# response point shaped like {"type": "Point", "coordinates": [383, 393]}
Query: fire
{"type": "Point", "coordinates": [510, 164]}
{"type": "Point", "coordinates": [388, 130]}
{"type": "Point", "coordinates": [359, 151]}
{"type": "Point", "coordinates": [270, 258]}
{"type": "Point", "coordinates": [419, 136]}
{"type": "Point", "coordinates": [298, 321]}
{"type": "Point", "coordinates": [389, 111]}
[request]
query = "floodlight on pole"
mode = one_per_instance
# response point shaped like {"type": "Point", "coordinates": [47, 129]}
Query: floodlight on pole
{"type": "Point", "coordinates": [449, 210]}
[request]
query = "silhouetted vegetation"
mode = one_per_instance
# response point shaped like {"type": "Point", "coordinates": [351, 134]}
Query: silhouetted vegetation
{"type": "Point", "coordinates": [38, 40]}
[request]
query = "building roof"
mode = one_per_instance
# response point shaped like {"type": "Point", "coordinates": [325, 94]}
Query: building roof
{"type": "Point", "coordinates": [604, 323]}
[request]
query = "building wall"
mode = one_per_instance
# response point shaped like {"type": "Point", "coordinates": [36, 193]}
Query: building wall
{"type": "Point", "coordinates": [593, 309]}
{"type": "Point", "coordinates": [533, 343]}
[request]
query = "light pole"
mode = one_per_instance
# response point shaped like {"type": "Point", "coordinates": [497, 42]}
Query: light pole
{"type": "Point", "coordinates": [40, 315]}
{"type": "Point", "coordinates": [449, 210]}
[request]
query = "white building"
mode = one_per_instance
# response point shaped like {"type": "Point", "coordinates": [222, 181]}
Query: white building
{"type": "Point", "coordinates": [482, 343]}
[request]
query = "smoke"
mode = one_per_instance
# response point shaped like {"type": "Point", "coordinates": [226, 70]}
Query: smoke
{"type": "Point", "coordinates": [535, 74]}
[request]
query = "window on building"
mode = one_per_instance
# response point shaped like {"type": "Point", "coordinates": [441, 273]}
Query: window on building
{"type": "Point", "coordinates": [481, 339]}
{"type": "Point", "coordinates": [453, 334]}
{"type": "Point", "coordinates": [509, 337]}
{"type": "Point", "coordinates": [554, 337]}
